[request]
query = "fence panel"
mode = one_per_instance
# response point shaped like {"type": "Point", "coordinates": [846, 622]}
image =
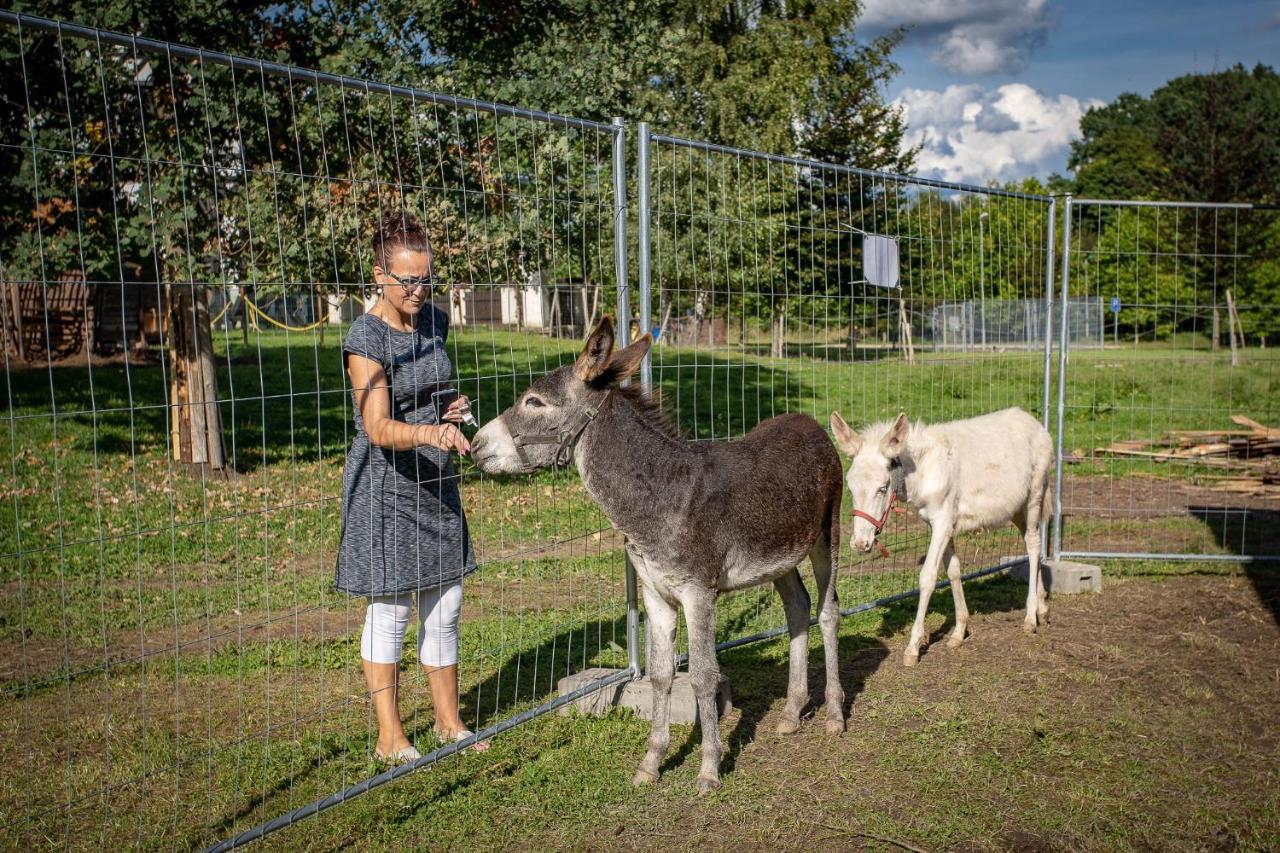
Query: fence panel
{"type": "Point", "coordinates": [178, 666]}
{"type": "Point", "coordinates": [1167, 438]}
{"type": "Point", "coordinates": [753, 282]}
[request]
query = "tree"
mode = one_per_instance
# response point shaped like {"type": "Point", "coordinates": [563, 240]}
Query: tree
{"type": "Point", "coordinates": [1199, 137]}
{"type": "Point", "coordinates": [1203, 137]}
{"type": "Point", "coordinates": [789, 78]}
{"type": "Point", "coordinates": [155, 189]}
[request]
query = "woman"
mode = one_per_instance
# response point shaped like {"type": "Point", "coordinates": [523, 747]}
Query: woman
{"type": "Point", "coordinates": [404, 535]}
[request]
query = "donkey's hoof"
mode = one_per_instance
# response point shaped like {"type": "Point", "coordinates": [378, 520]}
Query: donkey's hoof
{"type": "Point", "coordinates": [834, 726]}
{"type": "Point", "coordinates": [910, 658]}
{"type": "Point", "coordinates": [644, 777]}
{"type": "Point", "coordinates": [708, 784]}
{"type": "Point", "coordinates": [1028, 626]}
{"type": "Point", "coordinates": [1043, 618]}
{"type": "Point", "coordinates": [788, 726]}
{"type": "Point", "coordinates": [955, 641]}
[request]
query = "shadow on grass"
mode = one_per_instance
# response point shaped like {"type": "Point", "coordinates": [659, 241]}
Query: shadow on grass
{"type": "Point", "coordinates": [285, 401]}
{"type": "Point", "coordinates": [758, 674]}
{"type": "Point", "coordinates": [525, 677]}
{"type": "Point", "coordinates": [1253, 532]}
{"type": "Point", "coordinates": [1000, 594]}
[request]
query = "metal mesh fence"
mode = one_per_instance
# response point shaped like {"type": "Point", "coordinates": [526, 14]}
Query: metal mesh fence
{"type": "Point", "coordinates": [1167, 435]}
{"type": "Point", "coordinates": [1010, 324]}
{"type": "Point", "coordinates": [754, 286]}
{"type": "Point", "coordinates": [186, 244]}
{"type": "Point", "coordinates": [184, 247]}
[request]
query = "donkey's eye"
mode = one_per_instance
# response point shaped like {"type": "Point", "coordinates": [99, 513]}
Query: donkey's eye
{"type": "Point", "coordinates": [883, 489]}
{"type": "Point", "coordinates": [534, 402]}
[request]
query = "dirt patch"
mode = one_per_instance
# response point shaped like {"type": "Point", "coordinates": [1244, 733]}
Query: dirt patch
{"type": "Point", "coordinates": [1148, 701]}
{"type": "Point", "coordinates": [488, 592]}
{"type": "Point", "coordinates": [38, 662]}
{"type": "Point", "coordinates": [1138, 495]}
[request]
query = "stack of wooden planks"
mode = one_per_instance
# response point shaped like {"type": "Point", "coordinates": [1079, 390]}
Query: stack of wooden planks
{"type": "Point", "coordinates": [1251, 453]}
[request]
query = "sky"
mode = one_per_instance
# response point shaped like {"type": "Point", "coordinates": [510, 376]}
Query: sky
{"type": "Point", "coordinates": [994, 89]}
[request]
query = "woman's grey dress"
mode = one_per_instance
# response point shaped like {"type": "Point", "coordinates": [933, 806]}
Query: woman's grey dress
{"type": "Point", "coordinates": [402, 523]}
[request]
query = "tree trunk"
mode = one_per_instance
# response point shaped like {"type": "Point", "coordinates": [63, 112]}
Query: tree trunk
{"type": "Point", "coordinates": [776, 337]}
{"type": "Point", "coordinates": [195, 422]}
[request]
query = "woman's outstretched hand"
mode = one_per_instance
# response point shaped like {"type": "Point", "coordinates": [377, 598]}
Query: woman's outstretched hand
{"type": "Point", "coordinates": [444, 436]}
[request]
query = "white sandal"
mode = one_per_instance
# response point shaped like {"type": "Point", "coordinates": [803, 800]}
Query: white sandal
{"type": "Point", "coordinates": [460, 734]}
{"type": "Point", "coordinates": [405, 755]}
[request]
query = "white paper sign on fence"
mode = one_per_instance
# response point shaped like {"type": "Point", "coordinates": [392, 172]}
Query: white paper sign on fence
{"type": "Point", "coordinates": [880, 260]}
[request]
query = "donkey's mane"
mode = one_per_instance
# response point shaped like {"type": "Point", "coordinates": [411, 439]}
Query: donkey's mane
{"type": "Point", "coordinates": [649, 407]}
{"type": "Point", "coordinates": [875, 433]}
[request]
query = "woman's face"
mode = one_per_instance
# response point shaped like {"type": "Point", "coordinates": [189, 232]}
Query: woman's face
{"type": "Point", "coordinates": [406, 282]}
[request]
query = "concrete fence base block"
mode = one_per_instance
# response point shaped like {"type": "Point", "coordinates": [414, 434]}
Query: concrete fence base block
{"type": "Point", "coordinates": [1063, 577]}
{"type": "Point", "coordinates": [638, 696]}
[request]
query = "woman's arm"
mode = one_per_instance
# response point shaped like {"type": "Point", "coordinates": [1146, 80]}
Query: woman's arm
{"type": "Point", "coordinates": [373, 396]}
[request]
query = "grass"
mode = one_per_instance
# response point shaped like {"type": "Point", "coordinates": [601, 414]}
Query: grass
{"type": "Point", "coordinates": [176, 664]}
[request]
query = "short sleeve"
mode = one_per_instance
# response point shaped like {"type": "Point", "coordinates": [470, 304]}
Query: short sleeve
{"type": "Point", "coordinates": [366, 340]}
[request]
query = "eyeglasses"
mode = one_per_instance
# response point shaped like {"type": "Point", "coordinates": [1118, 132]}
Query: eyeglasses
{"type": "Point", "coordinates": [410, 283]}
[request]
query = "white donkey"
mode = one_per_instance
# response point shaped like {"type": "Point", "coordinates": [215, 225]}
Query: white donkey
{"type": "Point", "coordinates": [959, 476]}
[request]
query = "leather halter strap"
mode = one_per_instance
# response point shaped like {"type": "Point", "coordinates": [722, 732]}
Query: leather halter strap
{"type": "Point", "coordinates": [566, 440]}
{"type": "Point", "coordinates": [879, 523]}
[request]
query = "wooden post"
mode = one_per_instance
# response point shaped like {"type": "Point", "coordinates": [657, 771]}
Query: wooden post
{"type": "Point", "coordinates": [322, 311]}
{"type": "Point", "coordinates": [1231, 329]}
{"type": "Point", "coordinates": [776, 346]}
{"type": "Point", "coordinates": [908, 347]}
{"type": "Point", "coordinates": [1217, 328]}
{"type": "Point", "coordinates": [662, 329]}
{"type": "Point", "coordinates": [195, 422]}
{"type": "Point", "coordinates": [1235, 311]}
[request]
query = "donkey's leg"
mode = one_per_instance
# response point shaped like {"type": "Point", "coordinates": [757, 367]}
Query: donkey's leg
{"type": "Point", "coordinates": [1035, 583]}
{"type": "Point", "coordinates": [938, 541]}
{"type": "Point", "coordinates": [661, 616]}
{"type": "Point", "coordinates": [795, 601]}
{"type": "Point", "coordinates": [704, 673]}
{"type": "Point", "coordinates": [824, 572]}
{"type": "Point", "coordinates": [1037, 513]}
{"type": "Point", "coordinates": [957, 595]}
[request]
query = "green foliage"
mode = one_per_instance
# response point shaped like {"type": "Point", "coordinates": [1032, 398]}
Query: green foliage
{"type": "Point", "coordinates": [1201, 137]}
{"type": "Point", "coordinates": [782, 77]}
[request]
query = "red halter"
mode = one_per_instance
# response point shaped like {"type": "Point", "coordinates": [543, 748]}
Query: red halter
{"type": "Point", "coordinates": [878, 523]}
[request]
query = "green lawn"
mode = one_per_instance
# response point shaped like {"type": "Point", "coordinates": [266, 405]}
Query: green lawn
{"type": "Point", "coordinates": [176, 664]}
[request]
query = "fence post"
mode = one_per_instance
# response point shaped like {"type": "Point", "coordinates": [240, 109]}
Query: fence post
{"type": "Point", "coordinates": [624, 337]}
{"type": "Point", "coordinates": [1051, 249]}
{"type": "Point", "coordinates": [1062, 377]}
{"type": "Point", "coordinates": [642, 249]}
{"type": "Point", "coordinates": [1050, 254]}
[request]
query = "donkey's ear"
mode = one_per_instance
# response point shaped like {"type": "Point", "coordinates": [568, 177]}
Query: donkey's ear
{"type": "Point", "coordinates": [594, 359]}
{"type": "Point", "coordinates": [848, 440]}
{"type": "Point", "coordinates": [626, 360]}
{"type": "Point", "coordinates": [896, 438]}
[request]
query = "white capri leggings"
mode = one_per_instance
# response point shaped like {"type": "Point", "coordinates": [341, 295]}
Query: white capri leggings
{"type": "Point", "coordinates": [387, 616]}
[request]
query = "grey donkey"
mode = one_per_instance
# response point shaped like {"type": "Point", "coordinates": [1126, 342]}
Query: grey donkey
{"type": "Point", "coordinates": [699, 519]}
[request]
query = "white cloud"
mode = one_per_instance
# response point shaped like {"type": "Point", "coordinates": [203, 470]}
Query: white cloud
{"type": "Point", "coordinates": [974, 135]}
{"type": "Point", "coordinates": [968, 36]}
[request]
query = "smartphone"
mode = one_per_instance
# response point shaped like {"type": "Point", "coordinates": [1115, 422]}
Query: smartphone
{"type": "Point", "coordinates": [443, 399]}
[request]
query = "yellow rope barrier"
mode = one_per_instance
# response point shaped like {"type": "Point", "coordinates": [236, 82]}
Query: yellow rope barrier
{"type": "Point", "coordinates": [221, 313]}
{"type": "Point", "coordinates": [259, 314]}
